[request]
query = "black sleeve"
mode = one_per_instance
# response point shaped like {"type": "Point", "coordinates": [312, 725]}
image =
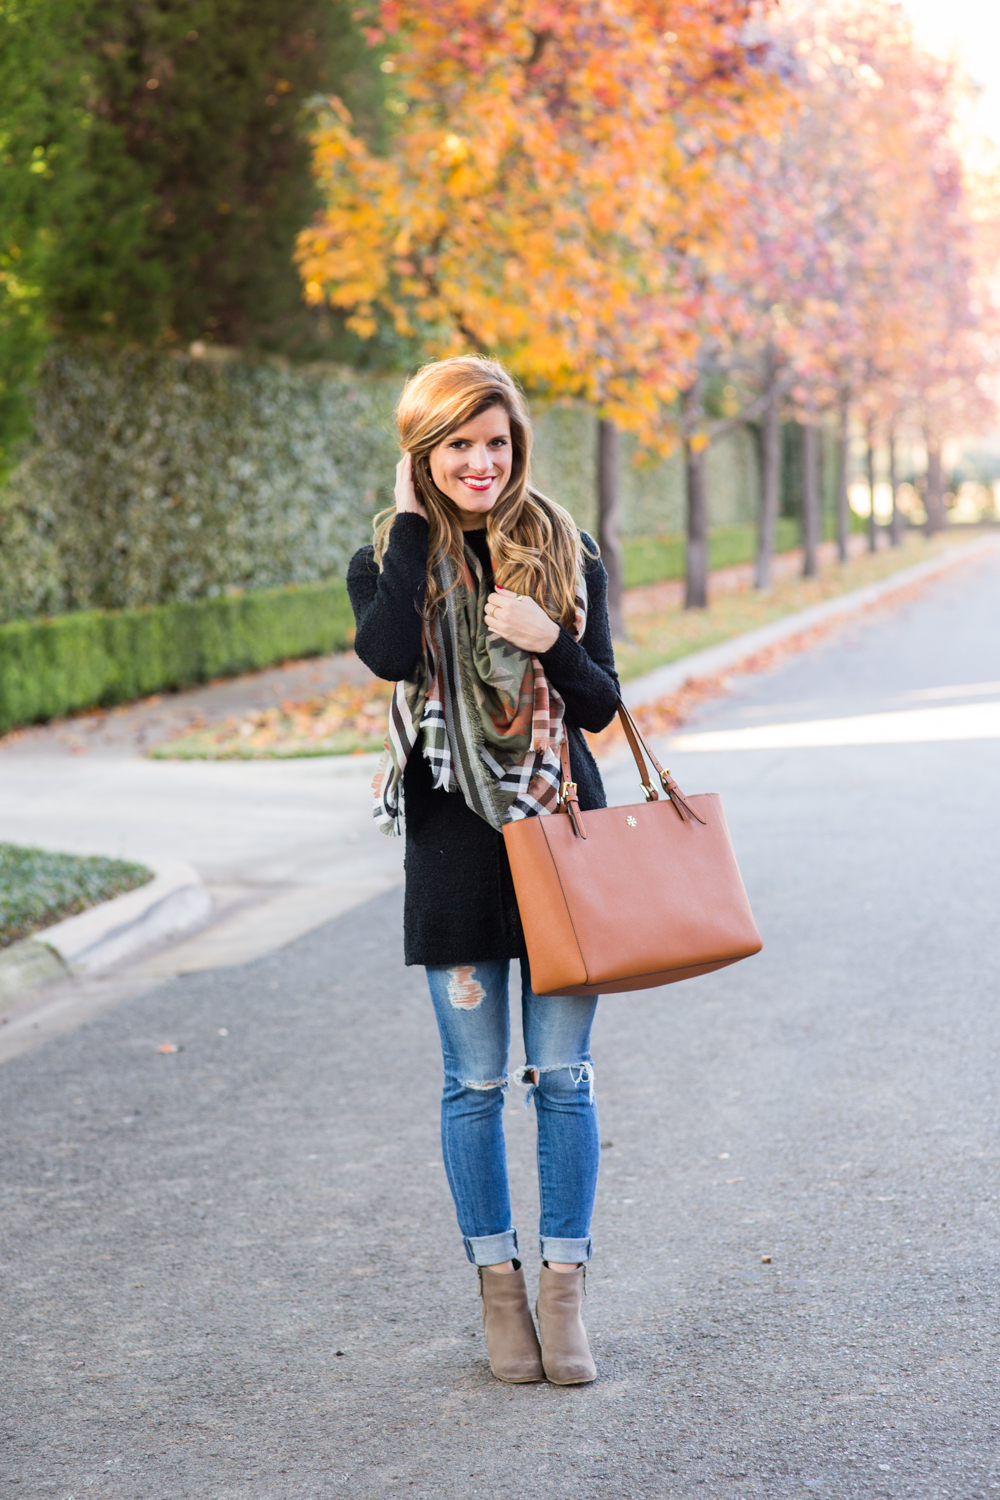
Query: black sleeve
{"type": "Point", "coordinates": [583, 672]}
{"type": "Point", "coordinates": [388, 604]}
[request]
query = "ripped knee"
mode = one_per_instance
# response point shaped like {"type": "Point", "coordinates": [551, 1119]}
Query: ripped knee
{"type": "Point", "coordinates": [577, 1075]}
{"type": "Point", "coordinates": [465, 992]}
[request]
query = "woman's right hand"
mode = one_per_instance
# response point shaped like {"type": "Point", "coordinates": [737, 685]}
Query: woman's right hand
{"type": "Point", "coordinates": [406, 495]}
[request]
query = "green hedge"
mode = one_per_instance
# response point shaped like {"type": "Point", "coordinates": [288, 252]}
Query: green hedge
{"type": "Point", "coordinates": [93, 658]}
{"type": "Point", "coordinates": [97, 657]}
{"type": "Point", "coordinates": [152, 478]}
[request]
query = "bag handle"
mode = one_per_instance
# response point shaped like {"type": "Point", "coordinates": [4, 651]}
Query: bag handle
{"type": "Point", "coordinates": [682, 808]}
{"type": "Point", "coordinates": [567, 789]}
{"type": "Point", "coordinates": [569, 803]}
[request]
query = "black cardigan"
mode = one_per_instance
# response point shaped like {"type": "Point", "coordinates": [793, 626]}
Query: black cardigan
{"type": "Point", "coordinates": [459, 905]}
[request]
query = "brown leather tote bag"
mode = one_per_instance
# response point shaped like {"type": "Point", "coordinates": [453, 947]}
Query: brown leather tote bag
{"type": "Point", "coordinates": [628, 898]}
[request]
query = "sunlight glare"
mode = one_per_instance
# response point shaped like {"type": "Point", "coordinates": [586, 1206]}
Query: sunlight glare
{"type": "Point", "coordinates": [967, 721]}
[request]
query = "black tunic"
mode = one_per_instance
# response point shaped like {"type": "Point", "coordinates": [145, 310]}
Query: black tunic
{"type": "Point", "coordinates": [459, 905]}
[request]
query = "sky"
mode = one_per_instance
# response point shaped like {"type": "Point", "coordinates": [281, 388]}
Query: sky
{"type": "Point", "coordinates": [972, 29]}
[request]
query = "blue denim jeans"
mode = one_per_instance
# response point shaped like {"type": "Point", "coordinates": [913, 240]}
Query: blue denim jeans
{"type": "Point", "coordinates": [473, 1015]}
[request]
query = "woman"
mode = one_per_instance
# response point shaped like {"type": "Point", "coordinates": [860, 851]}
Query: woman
{"type": "Point", "coordinates": [487, 607]}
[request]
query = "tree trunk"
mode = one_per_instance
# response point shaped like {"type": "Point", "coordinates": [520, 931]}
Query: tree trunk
{"type": "Point", "coordinates": [896, 525]}
{"type": "Point", "coordinates": [934, 496]}
{"type": "Point", "coordinates": [843, 513]}
{"type": "Point", "coordinates": [870, 464]}
{"type": "Point", "coordinates": [696, 492]}
{"type": "Point", "coordinates": [770, 493]}
{"type": "Point", "coordinates": [609, 522]}
{"type": "Point", "coordinates": [696, 586]}
{"type": "Point", "coordinates": [810, 500]}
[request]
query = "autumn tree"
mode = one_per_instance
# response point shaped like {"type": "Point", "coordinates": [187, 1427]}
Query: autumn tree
{"type": "Point", "coordinates": [861, 230]}
{"type": "Point", "coordinates": [849, 287]}
{"type": "Point", "coordinates": [551, 166]}
{"type": "Point", "coordinates": [816, 243]}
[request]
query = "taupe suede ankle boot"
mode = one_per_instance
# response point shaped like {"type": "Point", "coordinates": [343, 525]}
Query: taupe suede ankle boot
{"type": "Point", "coordinates": [511, 1340]}
{"type": "Point", "coordinates": [566, 1356]}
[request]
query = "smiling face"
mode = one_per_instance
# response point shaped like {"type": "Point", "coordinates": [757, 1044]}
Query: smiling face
{"type": "Point", "coordinates": [472, 465]}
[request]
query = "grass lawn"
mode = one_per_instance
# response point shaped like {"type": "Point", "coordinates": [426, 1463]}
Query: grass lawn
{"type": "Point", "coordinates": [651, 559]}
{"type": "Point", "coordinates": [38, 889]}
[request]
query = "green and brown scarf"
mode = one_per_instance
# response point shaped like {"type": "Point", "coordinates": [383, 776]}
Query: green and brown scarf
{"type": "Point", "coordinates": [491, 721]}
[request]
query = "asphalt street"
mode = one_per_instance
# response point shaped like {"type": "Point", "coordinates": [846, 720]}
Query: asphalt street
{"type": "Point", "coordinates": [233, 1270]}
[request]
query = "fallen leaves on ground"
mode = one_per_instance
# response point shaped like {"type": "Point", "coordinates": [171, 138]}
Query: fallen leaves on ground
{"type": "Point", "coordinates": [346, 720]}
{"type": "Point", "coordinates": [662, 716]}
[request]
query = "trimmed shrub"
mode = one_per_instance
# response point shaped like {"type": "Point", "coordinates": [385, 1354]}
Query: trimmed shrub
{"type": "Point", "coordinates": [93, 658]}
{"type": "Point", "coordinates": [153, 478]}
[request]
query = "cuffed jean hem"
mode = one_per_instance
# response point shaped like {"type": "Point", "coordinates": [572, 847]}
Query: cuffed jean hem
{"type": "Point", "coordinates": [494, 1249]}
{"type": "Point", "coordinates": [565, 1252]}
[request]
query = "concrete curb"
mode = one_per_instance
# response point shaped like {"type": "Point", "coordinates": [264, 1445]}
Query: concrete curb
{"type": "Point", "coordinates": [172, 901]}
{"type": "Point", "coordinates": [664, 681]}
{"type": "Point", "coordinates": [94, 940]}
{"type": "Point", "coordinates": [25, 967]}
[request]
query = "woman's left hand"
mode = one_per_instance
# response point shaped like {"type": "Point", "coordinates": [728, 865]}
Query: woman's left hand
{"type": "Point", "coordinates": [518, 619]}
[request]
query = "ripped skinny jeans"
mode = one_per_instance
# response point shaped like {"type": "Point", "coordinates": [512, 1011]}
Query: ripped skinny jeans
{"type": "Point", "coordinates": [473, 1015]}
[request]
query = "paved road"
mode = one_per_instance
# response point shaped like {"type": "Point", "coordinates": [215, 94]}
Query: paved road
{"type": "Point", "coordinates": [233, 1270]}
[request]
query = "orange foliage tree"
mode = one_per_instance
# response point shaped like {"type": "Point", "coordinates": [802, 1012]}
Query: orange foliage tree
{"type": "Point", "coordinates": [555, 162]}
{"type": "Point", "coordinates": [647, 203]}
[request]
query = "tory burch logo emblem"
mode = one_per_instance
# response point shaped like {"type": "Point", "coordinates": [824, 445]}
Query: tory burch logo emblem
{"type": "Point", "coordinates": [630, 821]}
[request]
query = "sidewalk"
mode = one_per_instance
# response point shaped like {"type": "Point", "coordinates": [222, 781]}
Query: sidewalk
{"type": "Point", "coordinates": [282, 847]}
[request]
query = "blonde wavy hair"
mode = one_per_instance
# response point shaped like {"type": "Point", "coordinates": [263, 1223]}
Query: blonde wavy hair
{"type": "Point", "coordinates": [534, 543]}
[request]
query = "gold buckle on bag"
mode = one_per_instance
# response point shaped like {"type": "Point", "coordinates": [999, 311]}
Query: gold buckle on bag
{"type": "Point", "coordinates": [568, 790]}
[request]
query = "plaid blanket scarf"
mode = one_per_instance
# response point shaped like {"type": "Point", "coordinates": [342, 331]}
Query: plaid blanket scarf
{"type": "Point", "coordinates": [492, 723]}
